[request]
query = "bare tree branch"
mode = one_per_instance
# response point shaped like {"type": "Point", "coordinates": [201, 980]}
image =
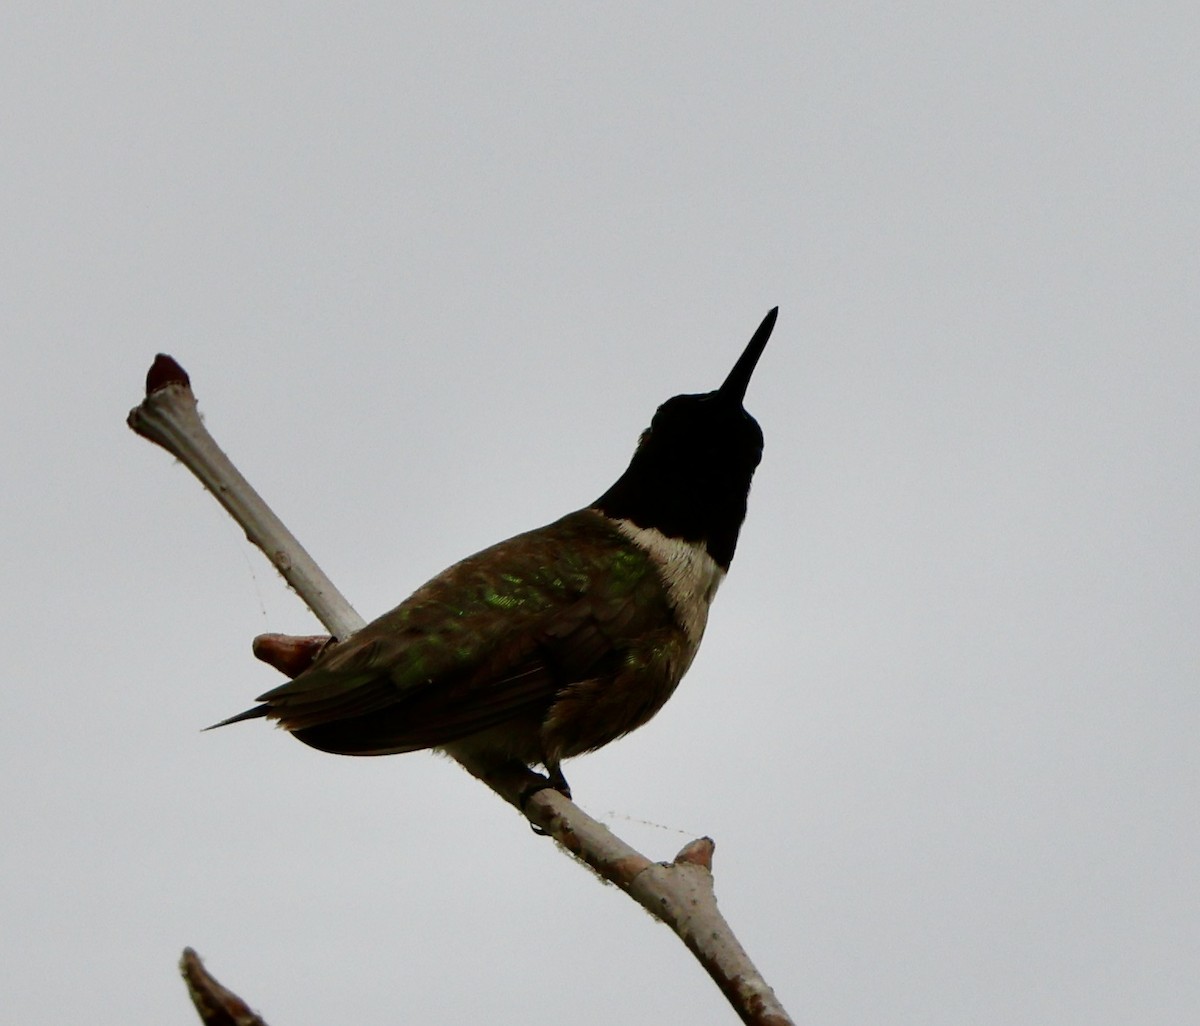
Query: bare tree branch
{"type": "Point", "coordinates": [168, 417]}
{"type": "Point", "coordinates": [215, 1004]}
{"type": "Point", "coordinates": [679, 893]}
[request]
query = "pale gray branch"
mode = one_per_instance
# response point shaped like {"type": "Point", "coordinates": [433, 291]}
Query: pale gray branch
{"type": "Point", "coordinates": [679, 893]}
{"type": "Point", "coordinates": [168, 417]}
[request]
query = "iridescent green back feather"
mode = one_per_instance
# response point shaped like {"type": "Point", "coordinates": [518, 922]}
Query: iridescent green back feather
{"type": "Point", "coordinates": [496, 637]}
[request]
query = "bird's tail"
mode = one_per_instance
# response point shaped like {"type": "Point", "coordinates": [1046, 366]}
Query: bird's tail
{"type": "Point", "coordinates": [249, 714]}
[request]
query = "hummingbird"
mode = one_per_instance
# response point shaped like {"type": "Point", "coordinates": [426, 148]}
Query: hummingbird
{"type": "Point", "coordinates": [557, 641]}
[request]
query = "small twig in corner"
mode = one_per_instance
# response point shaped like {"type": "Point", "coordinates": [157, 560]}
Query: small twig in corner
{"type": "Point", "coordinates": [216, 1005]}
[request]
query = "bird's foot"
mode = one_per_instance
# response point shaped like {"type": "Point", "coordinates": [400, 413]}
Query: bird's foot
{"type": "Point", "coordinates": [555, 781]}
{"type": "Point", "coordinates": [558, 781]}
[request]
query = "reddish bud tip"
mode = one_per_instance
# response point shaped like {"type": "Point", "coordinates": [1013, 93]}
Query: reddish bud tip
{"type": "Point", "coordinates": [165, 371]}
{"type": "Point", "coordinates": [289, 654]}
{"type": "Point", "coordinates": [698, 852]}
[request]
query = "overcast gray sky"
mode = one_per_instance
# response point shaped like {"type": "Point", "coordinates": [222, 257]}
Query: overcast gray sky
{"type": "Point", "coordinates": [432, 267]}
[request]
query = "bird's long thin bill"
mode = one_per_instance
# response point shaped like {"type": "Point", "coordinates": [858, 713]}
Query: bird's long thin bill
{"type": "Point", "coordinates": [734, 386]}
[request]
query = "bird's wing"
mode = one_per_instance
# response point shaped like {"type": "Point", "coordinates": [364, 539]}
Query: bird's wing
{"type": "Point", "coordinates": [493, 638]}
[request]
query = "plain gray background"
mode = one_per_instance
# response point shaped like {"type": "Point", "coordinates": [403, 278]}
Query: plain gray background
{"type": "Point", "coordinates": [432, 267]}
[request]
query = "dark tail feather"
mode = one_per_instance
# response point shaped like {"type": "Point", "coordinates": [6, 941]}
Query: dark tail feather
{"type": "Point", "coordinates": [249, 714]}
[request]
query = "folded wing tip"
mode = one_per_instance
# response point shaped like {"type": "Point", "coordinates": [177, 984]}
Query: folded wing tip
{"type": "Point", "coordinates": [250, 714]}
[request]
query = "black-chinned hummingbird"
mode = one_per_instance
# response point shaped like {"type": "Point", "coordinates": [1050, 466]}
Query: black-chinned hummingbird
{"type": "Point", "coordinates": [557, 641]}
